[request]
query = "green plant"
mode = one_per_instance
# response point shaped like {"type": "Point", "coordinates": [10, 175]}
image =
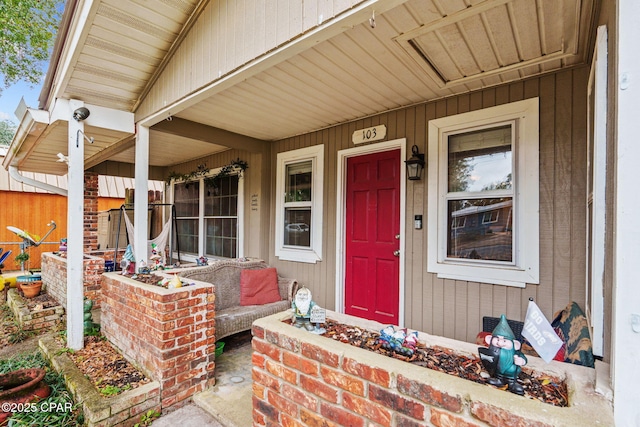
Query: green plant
{"type": "Point", "coordinates": [110, 390]}
{"type": "Point", "coordinates": [64, 350]}
{"type": "Point", "coordinates": [147, 418]}
{"type": "Point", "coordinates": [22, 257]}
{"type": "Point", "coordinates": [203, 171]}
{"type": "Point", "coordinates": [94, 331]}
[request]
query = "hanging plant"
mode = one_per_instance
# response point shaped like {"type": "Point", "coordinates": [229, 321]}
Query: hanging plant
{"type": "Point", "coordinates": [203, 172]}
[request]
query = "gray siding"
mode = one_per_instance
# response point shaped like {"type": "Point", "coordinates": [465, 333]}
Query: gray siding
{"type": "Point", "coordinates": [454, 308]}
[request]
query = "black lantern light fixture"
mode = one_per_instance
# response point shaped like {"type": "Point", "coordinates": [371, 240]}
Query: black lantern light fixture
{"type": "Point", "coordinates": [415, 164]}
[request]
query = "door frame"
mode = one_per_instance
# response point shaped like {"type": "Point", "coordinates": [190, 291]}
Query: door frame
{"type": "Point", "coordinates": [341, 179]}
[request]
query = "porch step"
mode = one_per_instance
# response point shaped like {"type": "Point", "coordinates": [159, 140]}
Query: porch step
{"type": "Point", "coordinates": [232, 407]}
{"type": "Point", "coordinates": [230, 400]}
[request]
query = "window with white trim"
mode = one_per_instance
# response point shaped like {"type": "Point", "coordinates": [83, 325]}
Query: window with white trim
{"type": "Point", "coordinates": [484, 195]}
{"type": "Point", "coordinates": [299, 204]}
{"type": "Point", "coordinates": [208, 217]}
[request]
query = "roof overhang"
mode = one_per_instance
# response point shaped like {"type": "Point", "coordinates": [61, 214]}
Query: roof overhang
{"type": "Point", "coordinates": [373, 57]}
{"type": "Point", "coordinates": [42, 134]}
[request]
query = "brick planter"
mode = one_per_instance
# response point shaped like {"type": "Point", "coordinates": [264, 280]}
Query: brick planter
{"type": "Point", "coordinates": [168, 333]}
{"type": "Point", "coordinates": [304, 379]}
{"type": "Point", "coordinates": [33, 320]}
{"type": "Point", "coordinates": [125, 409]}
{"type": "Point", "coordinates": [54, 275]}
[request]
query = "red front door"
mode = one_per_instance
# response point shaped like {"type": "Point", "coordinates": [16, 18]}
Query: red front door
{"type": "Point", "coordinates": [372, 270]}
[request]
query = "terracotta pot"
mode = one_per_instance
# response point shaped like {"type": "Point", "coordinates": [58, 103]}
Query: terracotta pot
{"type": "Point", "coordinates": [22, 386]}
{"type": "Point", "coordinates": [31, 289]}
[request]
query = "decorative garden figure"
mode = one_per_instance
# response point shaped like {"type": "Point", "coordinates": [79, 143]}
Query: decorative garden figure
{"type": "Point", "coordinates": [503, 359]}
{"type": "Point", "coordinates": [88, 324]}
{"type": "Point", "coordinates": [302, 305]}
{"type": "Point", "coordinates": [400, 341]}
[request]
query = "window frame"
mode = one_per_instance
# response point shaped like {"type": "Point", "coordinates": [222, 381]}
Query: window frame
{"type": "Point", "coordinates": [525, 195]}
{"type": "Point", "coordinates": [201, 217]}
{"type": "Point", "coordinates": [313, 253]}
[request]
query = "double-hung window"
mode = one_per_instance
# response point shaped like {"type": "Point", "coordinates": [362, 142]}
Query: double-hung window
{"type": "Point", "coordinates": [299, 204]}
{"type": "Point", "coordinates": [483, 195]}
{"type": "Point", "coordinates": [208, 217]}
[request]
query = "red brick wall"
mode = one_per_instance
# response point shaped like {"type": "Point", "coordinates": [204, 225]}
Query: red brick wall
{"type": "Point", "coordinates": [54, 277]}
{"type": "Point", "coordinates": [168, 333]}
{"type": "Point", "coordinates": [90, 211]}
{"type": "Point", "coordinates": [301, 379]}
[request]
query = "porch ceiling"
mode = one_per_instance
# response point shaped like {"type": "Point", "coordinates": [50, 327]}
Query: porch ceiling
{"type": "Point", "coordinates": [418, 51]}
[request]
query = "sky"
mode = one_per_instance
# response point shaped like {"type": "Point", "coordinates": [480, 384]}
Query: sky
{"type": "Point", "coordinates": [10, 97]}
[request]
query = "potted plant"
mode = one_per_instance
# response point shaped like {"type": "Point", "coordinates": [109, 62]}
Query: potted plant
{"type": "Point", "coordinates": [22, 258]}
{"type": "Point", "coordinates": [32, 288]}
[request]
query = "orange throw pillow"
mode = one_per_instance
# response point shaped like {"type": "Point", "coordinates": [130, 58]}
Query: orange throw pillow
{"type": "Point", "coordinates": [259, 287]}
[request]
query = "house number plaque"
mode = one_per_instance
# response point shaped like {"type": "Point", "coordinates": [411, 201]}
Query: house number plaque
{"type": "Point", "coordinates": [375, 133]}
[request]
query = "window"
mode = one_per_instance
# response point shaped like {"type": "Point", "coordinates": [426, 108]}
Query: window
{"type": "Point", "coordinates": [208, 217]}
{"type": "Point", "coordinates": [483, 195]}
{"type": "Point", "coordinates": [221, 218]}
{"type": "Point", "coordinates": [299, 204]}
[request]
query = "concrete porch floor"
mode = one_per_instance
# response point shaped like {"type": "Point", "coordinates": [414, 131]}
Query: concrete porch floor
{"type": "Point", "coordinates": [228, 403]}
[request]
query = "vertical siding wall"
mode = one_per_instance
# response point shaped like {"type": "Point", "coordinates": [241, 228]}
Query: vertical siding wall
{"type": "Point", "coordinates": [454, 308]}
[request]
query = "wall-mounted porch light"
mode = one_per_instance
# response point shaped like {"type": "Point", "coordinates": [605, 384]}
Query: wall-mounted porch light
{"type": "Point", "coordinates": [415, 164]}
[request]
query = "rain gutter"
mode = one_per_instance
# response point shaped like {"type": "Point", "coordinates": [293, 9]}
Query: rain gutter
{"type": "Point", "coordinates": [15, 174]}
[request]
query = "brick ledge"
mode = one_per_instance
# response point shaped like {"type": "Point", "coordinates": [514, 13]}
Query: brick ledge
{"type": "Point", "coordinates": [124, 409]}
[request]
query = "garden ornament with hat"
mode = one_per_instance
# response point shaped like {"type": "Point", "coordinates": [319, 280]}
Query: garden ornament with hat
{"type": "Point", "coordinates": [503, 359]}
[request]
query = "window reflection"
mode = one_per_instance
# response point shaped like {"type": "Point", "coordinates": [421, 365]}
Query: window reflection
{"type": "Point", "coordinates": [297, 229]}
{"type": "Point", "coordinates": [481, 229]}
{"type": "Point", "coordinates": [480, 160]}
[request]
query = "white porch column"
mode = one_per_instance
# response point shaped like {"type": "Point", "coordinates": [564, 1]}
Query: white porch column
{"type": "Point", "coordinates": [141, 203]}
{"type": "Point", "coordinates": [625, 352]}
{"type": "Point", "coordinates": [75, 231]}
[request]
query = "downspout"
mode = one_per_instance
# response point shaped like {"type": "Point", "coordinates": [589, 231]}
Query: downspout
{"type": "Point", "coordinates": [13, 173]}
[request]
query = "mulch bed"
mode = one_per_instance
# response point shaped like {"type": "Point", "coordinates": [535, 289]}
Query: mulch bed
{"type": "Point", "coordinates": [544, 388]}
{"type": "Point", "coordinates": [154, 279]}
{"type": "Point", "coordinates": [104, 366]}
{"type": "Point", "coordinates": [98, 360]}
{"type": "Point", "coordinates": [41, 302]}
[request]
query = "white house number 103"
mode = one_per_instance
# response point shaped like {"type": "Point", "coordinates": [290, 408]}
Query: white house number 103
{"type": "Point", "coordinates": [369, 134]}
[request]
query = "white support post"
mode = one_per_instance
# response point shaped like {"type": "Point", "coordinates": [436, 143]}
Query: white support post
{"type": "Point", "coordinates": [141, 204]}
{"type": "Point", "coordinates": [625, 349]}
{"type": "Point", "coordinates": [75, 231]}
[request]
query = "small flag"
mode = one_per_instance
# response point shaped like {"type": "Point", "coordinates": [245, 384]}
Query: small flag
{"type": "Point", "coordinates": [539, 332]}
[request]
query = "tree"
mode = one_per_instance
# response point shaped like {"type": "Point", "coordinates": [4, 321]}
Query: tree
{"type": "Point", "coordinates": [26, 39]}
{"type": "Point", "coordinates": [505, 184]}
{"type": "Point", "coordinates": [7, 129]}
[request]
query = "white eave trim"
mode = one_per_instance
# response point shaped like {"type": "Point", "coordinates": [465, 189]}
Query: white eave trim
{"type": "Point", "coordinates": [32, 124]}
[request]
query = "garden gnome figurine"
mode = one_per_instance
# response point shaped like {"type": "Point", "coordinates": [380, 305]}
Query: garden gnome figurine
{"type": "Point", "coordinates": [302, 305]}
{"type": "Point", "coordinates": [503, 359]}
{"type": "Point", "coordinates": [88, 317]}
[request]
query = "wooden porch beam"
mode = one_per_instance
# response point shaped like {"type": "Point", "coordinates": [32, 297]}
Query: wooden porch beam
{"type": "Point", "coordinates": [187, 128]}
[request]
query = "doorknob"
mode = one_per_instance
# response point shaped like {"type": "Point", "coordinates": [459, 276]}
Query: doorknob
{"type": "Point", "coordinates": [397, 237]}
{"type": "Point", "coordinates": [396, 252]}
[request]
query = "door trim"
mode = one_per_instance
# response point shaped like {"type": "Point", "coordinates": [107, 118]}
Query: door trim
{"type": "Point", "coordinates": [341, 179]}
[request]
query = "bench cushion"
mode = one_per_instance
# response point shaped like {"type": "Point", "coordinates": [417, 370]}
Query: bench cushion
{"type": "Point", "coordinates": [258, 287]}
{"type": "Point", "coordinates": [240, 318]}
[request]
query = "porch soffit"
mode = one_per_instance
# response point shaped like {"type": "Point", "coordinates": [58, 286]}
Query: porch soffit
{"type": "Point", "coordinates": [418, 51]}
